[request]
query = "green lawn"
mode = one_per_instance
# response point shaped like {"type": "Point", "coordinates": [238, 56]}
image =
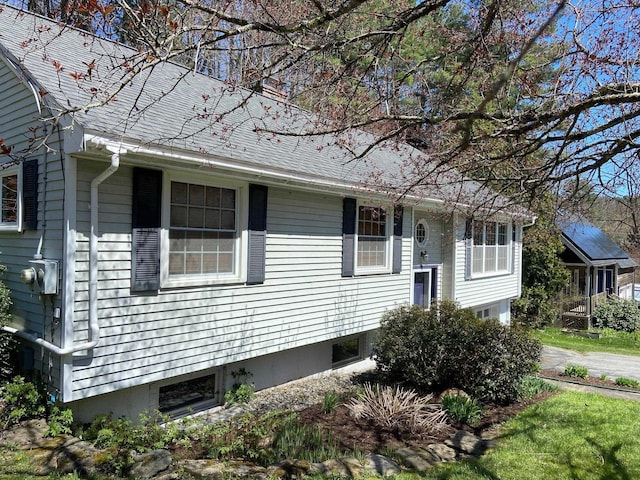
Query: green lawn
{"type": "Point", "coordinates": [572, 435]}
{"type": "Point", "coordinates": [610, 341]}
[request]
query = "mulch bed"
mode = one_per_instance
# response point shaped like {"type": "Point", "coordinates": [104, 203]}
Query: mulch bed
{"type": "Point", "coordinates": [352, 434]}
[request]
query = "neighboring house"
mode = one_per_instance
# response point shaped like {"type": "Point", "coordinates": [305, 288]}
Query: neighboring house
{"type": "Point", "coordinates": [161, 250]}
{"type": "Point", "coordinates": [599, 268]}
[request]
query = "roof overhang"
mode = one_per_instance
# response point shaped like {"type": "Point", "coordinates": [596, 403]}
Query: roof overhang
{"type": "Point", "coordinates": [592, 262]}
{"type": "Point", "coordinates": [148, 155]}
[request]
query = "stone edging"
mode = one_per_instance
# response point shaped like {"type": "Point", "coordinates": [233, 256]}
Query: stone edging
{"type": "Point", "coordinates": [66, 454]}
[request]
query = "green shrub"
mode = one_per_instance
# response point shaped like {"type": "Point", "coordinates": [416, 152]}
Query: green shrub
{"type": "Point", "coordinates": [578, 371]}
{"type": "Point", "coordinates": [8, 342]}
{"type": "Point", "coordinates": [60, 421]}
{"type": "Point", "coordinates": [20, 401]}
{"type": "Point", "coordinates": [247, 436]}
{"type": "Point", "coordinates": [627, 382]}
{"type": "Point", "coordinates": [152, 432]}
{"type": "Point", "coordinates": [462, 408]}
{"type": "Point", "coordinates": [449, 347]}
{"type": "Point", "coordinates": [617, 314]}
{"type": "Point", "coordinates": [532, 386]}
{"type": "Point", "coordinates": [8, 352]}
{"type": "Point", "coordinates": [120, 438]}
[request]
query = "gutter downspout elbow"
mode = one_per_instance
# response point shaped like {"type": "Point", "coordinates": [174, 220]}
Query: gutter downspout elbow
{"type": "Point", "coordinates": [94, 327]}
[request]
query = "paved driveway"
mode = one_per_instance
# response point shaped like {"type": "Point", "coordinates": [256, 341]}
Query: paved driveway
{"type": "Point", "coordinates": [609, 364]}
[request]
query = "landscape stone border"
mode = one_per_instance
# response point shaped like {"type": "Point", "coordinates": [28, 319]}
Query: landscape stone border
{"type": "Point", "coordinates": [66, 454]}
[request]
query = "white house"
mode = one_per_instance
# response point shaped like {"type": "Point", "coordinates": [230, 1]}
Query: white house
{"type": "Point", "coordinates": [154, 248]}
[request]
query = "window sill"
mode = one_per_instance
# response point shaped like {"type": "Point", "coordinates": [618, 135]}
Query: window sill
{"type": "Point", "coordinates": [9, 227]}
{"type": "Point", "coordinates": [373, 271]}
{"type": "Point", "coordinates": [201, 281]}
{"type": "Point", "coordinates": [479, 276]}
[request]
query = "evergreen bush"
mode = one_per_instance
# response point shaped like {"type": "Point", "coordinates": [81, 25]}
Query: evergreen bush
{"type": "Point", "coordinates": [449, 347]}
{"type": "Point", "coordinates": [617, 314]}
{"type": "Point", "coordinates": [8, 343]}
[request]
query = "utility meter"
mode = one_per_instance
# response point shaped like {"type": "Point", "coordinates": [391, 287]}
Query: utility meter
{"type": "Point", "coordinates": [42, 276]}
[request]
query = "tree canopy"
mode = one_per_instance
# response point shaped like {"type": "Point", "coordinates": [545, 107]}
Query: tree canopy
{"type": "Point", "coordinates": [525, 95]}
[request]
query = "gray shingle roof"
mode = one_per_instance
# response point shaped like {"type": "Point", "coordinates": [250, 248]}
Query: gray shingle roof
{"type": "Point", "coordinates": [174, 108]}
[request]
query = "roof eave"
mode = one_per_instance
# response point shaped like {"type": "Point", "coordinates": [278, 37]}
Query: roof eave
{"type": "Point", "coordinates": [235, 168]}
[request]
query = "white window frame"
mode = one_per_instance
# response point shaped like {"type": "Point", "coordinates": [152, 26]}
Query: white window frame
{"type": "Point", "coordinates": [422, 223]}
{"type": "Point", "coordinates": [488, 311]}
{"type": "Point", "coordinates": [386, 267]}
{"type": "Point", "coordinates": [508, 248]}
{"type": "Point", "coordinates": [239, 274]}
{"type": "Point", "coordinates": [425, 271]}
{"type": "Point", "coordinates": [17, 225]}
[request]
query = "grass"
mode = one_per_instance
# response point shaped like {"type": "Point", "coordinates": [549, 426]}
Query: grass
{"type": "Point", "coordinates": [571, 435]}
{"type": "Point", "coordinates": [609, 341]}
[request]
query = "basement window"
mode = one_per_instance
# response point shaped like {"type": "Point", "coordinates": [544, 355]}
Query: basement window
{"type": "Point", "coordinates": [192, 394]}
{"type": "Point", "coordinates": [345, 352]}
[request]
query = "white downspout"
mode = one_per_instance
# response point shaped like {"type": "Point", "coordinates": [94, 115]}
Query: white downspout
{"type": "Point", "coordinates": [94, 326]}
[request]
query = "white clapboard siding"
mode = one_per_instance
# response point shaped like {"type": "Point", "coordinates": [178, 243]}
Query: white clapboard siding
{"type": "Point", "coordinates": [19, 113]}
{"type": "Point", "coordinates": [485, 290]}
{"type": "Point", "coordinates": [304, 299]}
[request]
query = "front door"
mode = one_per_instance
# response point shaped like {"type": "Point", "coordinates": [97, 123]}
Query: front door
{"type": "Point", "coordinates": [424, 287]}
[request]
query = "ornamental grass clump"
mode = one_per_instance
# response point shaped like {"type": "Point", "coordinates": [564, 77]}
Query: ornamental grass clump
{"type": "Point", "coordinates": [397, 409]}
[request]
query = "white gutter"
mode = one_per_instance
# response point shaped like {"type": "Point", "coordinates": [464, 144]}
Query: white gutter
{"type": "Point", "coordinates": [94, 326]}
{"type": "Point", "coordinates": [240, 169]}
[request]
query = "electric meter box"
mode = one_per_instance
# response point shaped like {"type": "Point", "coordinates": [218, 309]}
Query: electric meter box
{"type": "Point", "coordinates": [46, 275]}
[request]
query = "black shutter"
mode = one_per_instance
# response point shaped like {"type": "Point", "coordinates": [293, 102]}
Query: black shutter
{"type": "Point", "coordinates": [468, 248]}
{"type": "Point", "coordinates": [348, 236]}
{"type": "Point", "coordinates": [397, 239]}
{"type": "Point", "coordinates": [257, 233]}
{"type": "Point", "coordinates": [30, 194]}
{"type": "Point", "coordinates": [145, 238]}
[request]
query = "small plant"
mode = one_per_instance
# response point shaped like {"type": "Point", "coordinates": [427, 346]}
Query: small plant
{"type": "Point", "coordinates": [293, 439]}
{"type": "Point", "coordinates": [462, 408]}
{"type": "Point", "coordinates": [627, 382]}
{"type": "Point", "coordinates": [241, 391]}
{"type": "Point", "coordinates": [532, 386]}
{"type": "Point", "coordinates": [60, 421]}
{"type": "Point", "coordinates": [247, 436]}
{"type": "Point", "coordinates": [397, 408]}
{"type": "Point", "coordinates": [120, 438]}
{"type": "Point", "coordinates": [329, 402]}
{"type": "Point", "coordinates": [577, 371]}
{"type": "Point", "coordinates": [21, 400]}
{"type": "Point", "coordinates": [239, 394]}
{"type": "Point", "coordinates": [604, 377]}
